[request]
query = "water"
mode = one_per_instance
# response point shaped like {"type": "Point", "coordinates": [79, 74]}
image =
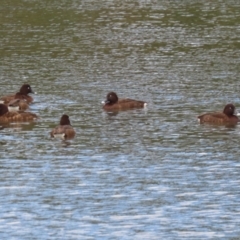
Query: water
{"type": "Point", "coordinates": [138, 174]}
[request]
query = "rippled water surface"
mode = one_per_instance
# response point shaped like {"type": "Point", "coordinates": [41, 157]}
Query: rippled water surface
{"type": "Point", "coordinates": [153, 173]}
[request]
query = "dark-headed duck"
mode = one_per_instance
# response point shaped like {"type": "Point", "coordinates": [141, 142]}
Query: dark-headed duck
{"type": "Point", "coordinates": [22, 94]}
{"type": "Point", "coordinates": [6, 116]}
{"type": "Point", "coordinates": [225, 117]}
{"type": "Point", "coordinates": [113, 103]}
{"type": "Point", "coordinates": [64, 130]}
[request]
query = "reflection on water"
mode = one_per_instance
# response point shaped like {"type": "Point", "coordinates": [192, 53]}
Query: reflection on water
{"type": "Point", "coordinates": [22, 126]}
{"type": "Point", "coordinates": [142, 174]}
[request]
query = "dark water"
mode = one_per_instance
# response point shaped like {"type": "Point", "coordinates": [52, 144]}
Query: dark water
{"type": "Point", "coordinates": [142, 174]}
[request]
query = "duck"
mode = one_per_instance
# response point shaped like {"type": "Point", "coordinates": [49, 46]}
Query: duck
{"type": "Point", "coordinates": [17, 105]}
{"type": "Point", "coordinates": [64, 130]}
{"type": "Point", "coordinates": [22, 94]}
{"type": "Point", "coordinates": [6, 116]}
{"type": "Point", "coordinates": [225, 117]}
{"type": "Point", "coordinates": [113, 103]}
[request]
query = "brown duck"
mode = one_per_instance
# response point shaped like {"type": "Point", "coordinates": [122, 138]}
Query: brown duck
{"type": "Point", "coordinates": [6, 116]}
{"type": "Point", "coordinates": [225, 117]}
{"type": "Point", "coordinates": [64, 130]}
{"type": "Point", "coordinates": [113, 103]}
{"type": "Point", "coordinates": [22, 94]}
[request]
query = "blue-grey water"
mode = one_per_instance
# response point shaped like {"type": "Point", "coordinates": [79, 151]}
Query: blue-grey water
{"type": "Point", "coordinates": [152, 173]}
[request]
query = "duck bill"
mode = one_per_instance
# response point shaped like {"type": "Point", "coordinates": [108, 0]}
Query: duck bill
{"type": "Point", "coordinates": [105, 102]}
